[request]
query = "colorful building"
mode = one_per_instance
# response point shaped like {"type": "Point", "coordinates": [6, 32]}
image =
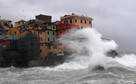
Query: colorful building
{"type": "Point", "coordinates": [13, 31]}
{"type": "Point", "coordinates": [40, 32]}
{"type": "Point", "coordinates": [81, 21]}
{"type": "Point", "coordinates": [50, 33]}
{"type": "Point", "coordinates": [57, 53]}
{"type": "Point", "coordinates": [28, 25]}
{"type": "Point", "coordinates": [63, 29]}
{"type": "Point", "coordinates": [19, 23]}
{"type": "Point", "coordinates": [46, 34]}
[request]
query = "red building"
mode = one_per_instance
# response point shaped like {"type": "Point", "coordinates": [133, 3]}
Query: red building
{"type": "Point", "coordinates": [63, 29]}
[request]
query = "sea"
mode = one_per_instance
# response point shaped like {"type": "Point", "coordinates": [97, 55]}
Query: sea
{"type": "Point", "coordinates": [88, 64]}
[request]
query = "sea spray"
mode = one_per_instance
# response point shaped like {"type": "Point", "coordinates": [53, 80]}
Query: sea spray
{"type": "Point", "coordinates": [127, 60]}
{"type": "Point", "coordinates": [88, 49]}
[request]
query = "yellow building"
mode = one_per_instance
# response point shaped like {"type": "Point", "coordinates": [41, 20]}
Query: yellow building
{"type": "Point", "coordinates": [19, 23]}
{"type": "Point", "coordinates": [13, 31]}
{"type": "Point", "coordinates": [81, 21]}
{"type": "Point", "coordinates": [58, 49]}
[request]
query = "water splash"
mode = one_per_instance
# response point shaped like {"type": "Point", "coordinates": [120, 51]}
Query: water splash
{"type": "Point", "coordinates": [89, 50]}
{"type": "Point", "coordinates": [127, 60]}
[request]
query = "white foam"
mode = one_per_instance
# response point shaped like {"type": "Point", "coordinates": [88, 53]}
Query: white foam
{"type": "Point", "coordinates": [90, 51]}
{"type": "Point", "coordinates": [127, 60]}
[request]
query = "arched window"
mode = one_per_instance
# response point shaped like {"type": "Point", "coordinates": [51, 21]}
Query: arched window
{"type": "Point", "coordinates": [70, 21]}
{"type": "Point", "coordinates": [89, 22]}
{"type": "Point", "coordinates": [48, 39]}
{"type": "Point", "coordinates": [75, 20]}
{"type": "Point", "coordinates": [15, 32]}
{"type": "Point", "coordinates": [81, 21]}
{"type": "Point", "coordinates": [85, 21]}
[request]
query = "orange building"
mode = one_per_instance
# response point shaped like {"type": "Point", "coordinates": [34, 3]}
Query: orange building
{"type": "Point", "coordinates": [43, 46]}
{"type": "Point", "coordinates": [41, 34]}
{"type": "Point", "coordinates": [13, 31]}
{"type": "Point", "coordinates": [81, 21]}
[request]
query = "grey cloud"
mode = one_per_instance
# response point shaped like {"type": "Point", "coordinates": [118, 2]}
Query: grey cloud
{"type": "Point", "coordinates": [115, 19]}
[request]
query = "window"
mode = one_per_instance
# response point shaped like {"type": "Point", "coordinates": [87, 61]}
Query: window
{"type": "Point", "coordinates": [53, 33]}
{"type": "Point", "coordinates": [53, 27]}
{"type": "Point", "coordinates": [48, 39]}
{"type": "Point", "coordinates": [48, 33]}
{"type": "Point", "coordinates": [81, 21]}
{"type": "Point", "coordinates": [89, 22]}
{"type": "Point", "coordinates": [40, 50]}
{"type": "Point", "coordinates": [66, 22]}
{"type": "Point", "coordinates": [85, 21]}
{"type": "Point", "coordinates": [70, 21]}
{"type": "Point", "coordinates": [60, 32]}
{"type": "Point", "coordinates": [10, 33]}
{"type": "Point", "coordinates": [75, 20]}
{"type": "Point", "coordinates": [40, 39]}
{"type": "Point", "coordinates": [15, 32]}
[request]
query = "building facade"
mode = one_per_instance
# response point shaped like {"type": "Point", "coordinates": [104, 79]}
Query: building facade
{"type": "Point", "coordinates": [28, 25]}
{"type": "Point", "coordinates": [40, 32]}
{"type": "Point", "coordinates": [46, 34]}
{"type": "Point", "coordinates": [50, 33]}
{"type": "Point", "coordinates": [63, 29]}
{"type": "Point", "coordinates": [81, 21]}
{"type": "Point", "coordinates": [19, 23]}
{"type": "Point", "coordinates": [13, 31]}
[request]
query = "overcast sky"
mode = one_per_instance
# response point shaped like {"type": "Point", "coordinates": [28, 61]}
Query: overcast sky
{"type": "Point", "coordinates": [115, 19]}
